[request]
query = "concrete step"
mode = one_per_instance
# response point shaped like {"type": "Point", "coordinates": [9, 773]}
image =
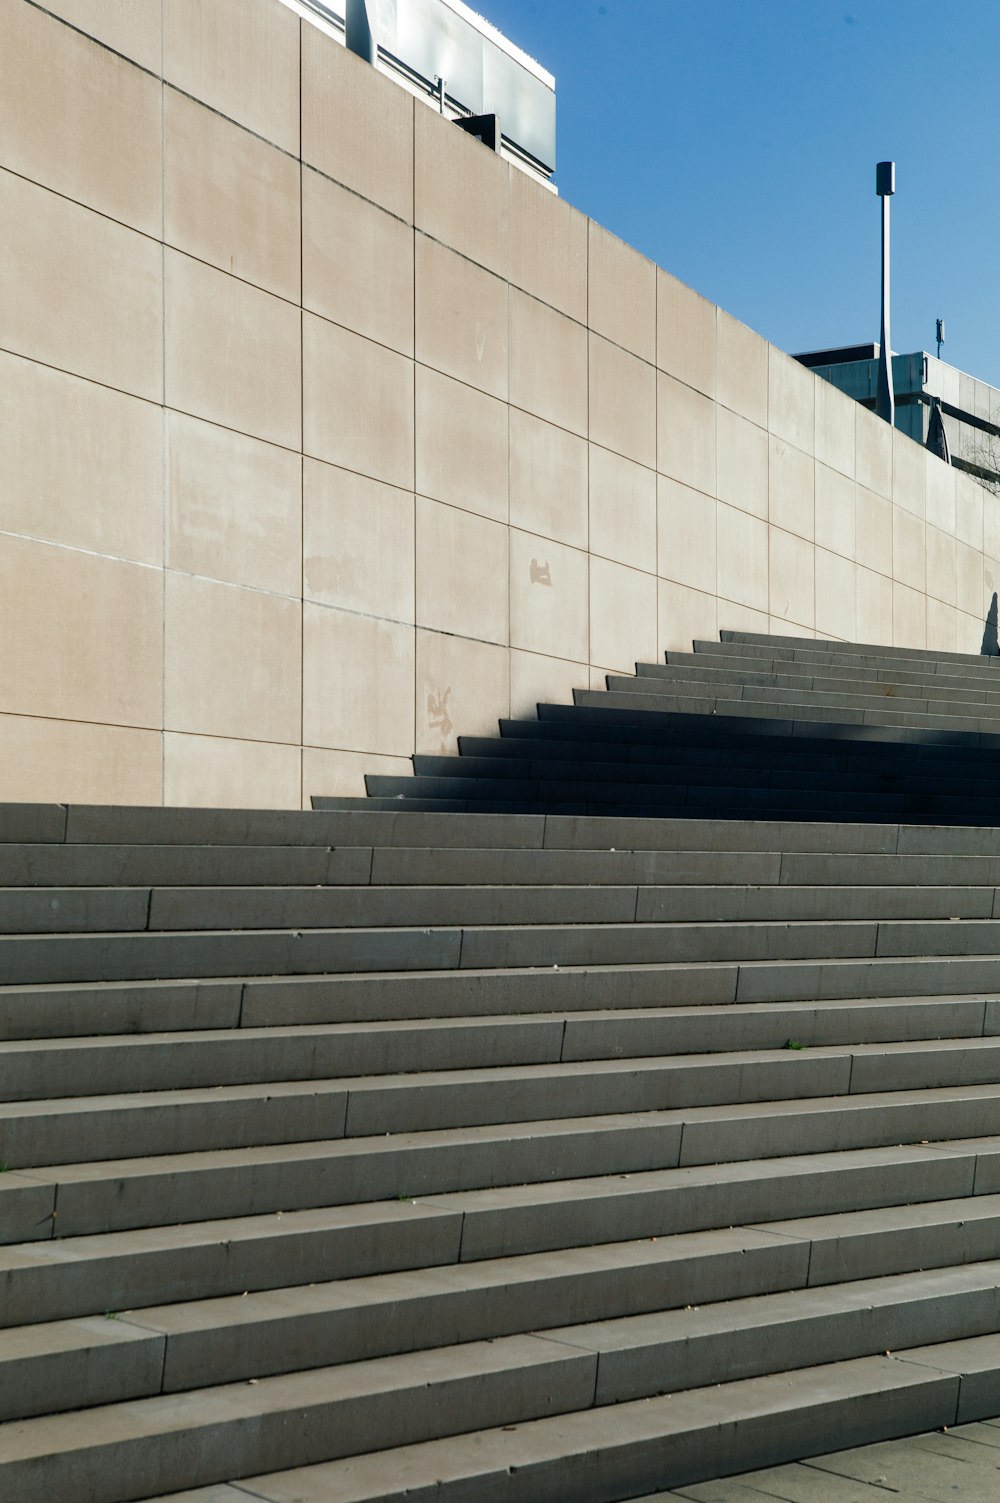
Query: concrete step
{"type": "Point", "coordinates": [817, 795]}
{"type": "Point", "coordinates": [858, 668]}
{"type": "Point", "coordinates": [83, 1129]}
{"type": "Point", "coordinates": [171, 1348]}
{"type": "Point", "coordinates": [909, 1218]}
{"type": "Point", "coordinates": [124, 1194]}
{"type": "Point", "coordinates": [693, 767]}
{"type": "Point", "coordinates": [164, 910]}
{"type": "Point", "coordinates": [679, 1312]}
{"type": "Point", "coordinates": [619, 716]}
{"type": "Point", "coordinates": [87, 1274]}
{"type": "Point", "coordinates": [128, 1450]}
{"type": "Point", "coordinates": [186, 1119]}
{"type": "Point", "coordinates": [617, 1451]}
{"type": "Point", "coordinates": [131, 866]}
{"type": "Point", "coordinates": [775, 704]}
{"type": "Point", "coordinates": [50, 1068]}
{"type": "Point", "coordinates": [750, 689]}
{"type": "Point", "coordinates": [27, 959]}
{"type": "Point", "coordinates": [747, 639]}
{"type": "Point", "coordinates": [898, 689]}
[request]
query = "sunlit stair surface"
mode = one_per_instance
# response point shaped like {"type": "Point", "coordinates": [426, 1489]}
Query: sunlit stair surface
{"type": "Point", "coordinates": [515, 1150]}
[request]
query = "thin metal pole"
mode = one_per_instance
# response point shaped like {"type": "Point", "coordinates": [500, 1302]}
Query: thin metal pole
{"type": "Point", "coordinates": [885, 401]}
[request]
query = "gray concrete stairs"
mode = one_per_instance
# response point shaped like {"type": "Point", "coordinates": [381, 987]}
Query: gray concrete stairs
{"type": "Point", "coordinates": [765, 726]}
{"type": "Point", "coordinates": [382, 1153]}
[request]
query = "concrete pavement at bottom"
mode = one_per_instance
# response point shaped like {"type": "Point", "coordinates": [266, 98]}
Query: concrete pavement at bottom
{"type": "Point", "coordinates": [960, 1465]}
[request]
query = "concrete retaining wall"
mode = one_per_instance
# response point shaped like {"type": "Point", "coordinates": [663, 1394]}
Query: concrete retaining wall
{"type": "Point", "coordinates": [326, 434]}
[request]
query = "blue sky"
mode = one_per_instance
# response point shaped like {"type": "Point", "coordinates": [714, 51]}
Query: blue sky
{"type": "Point", "coordinates": [735, 142]}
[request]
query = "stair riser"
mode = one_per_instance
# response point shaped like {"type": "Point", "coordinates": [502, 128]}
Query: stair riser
{"type": "Point", "coordinates": [324, 1110]}
{"type": "Point", "coordinates": [370, 908]}
{"type": "Point", "coordinates": [49, 1071]}
{"type": "Point", "coordinates": [308, 1328]}
{"type": "Point", "coordinates": [311, 1246]}
{"type": "Point", "coordinates": [299, 1419]}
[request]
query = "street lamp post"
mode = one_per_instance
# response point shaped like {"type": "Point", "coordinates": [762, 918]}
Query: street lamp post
{"type": "Point", "coordinates": [885, 401]}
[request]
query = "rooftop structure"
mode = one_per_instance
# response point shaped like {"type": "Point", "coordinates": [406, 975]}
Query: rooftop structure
{"type": "Point", "coordinates": [462, 65]}
{"type": "Point", "coordinates": [970, 408]}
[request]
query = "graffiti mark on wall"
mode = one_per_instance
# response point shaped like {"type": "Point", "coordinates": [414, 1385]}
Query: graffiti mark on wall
{"type": "Point", "coordinates": [437, 715]}
{"type": "Point", "coordinates": [540, 573]}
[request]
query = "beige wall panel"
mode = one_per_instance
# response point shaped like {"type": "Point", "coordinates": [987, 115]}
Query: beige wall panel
{"type": "Point", "coordinates": [463, 688]}
{"type": "Point", "coordinates": [835, 428]}
{"type": "Point", "coordinates": [548, 363]}
{"type": "Point", "coordinates": [77, 118]}
{"type": "Point", "coordinates": [970, 502]}
{"type": "Point", "coordinates": [357, 126]}
{"type": "Point", "coordinates": [941, 566]}
{"type": "Point", "coordinates": [741, 554]}
{"type": "Point", "coordinates": [549, 607]}
{"type": "Point", "coordinates": [873, 524]}
{"type": "Point", "coordinates": [909, 616]}
{"type": "Point", "coordinates": [230, 198]}
{"type": "Point", "coordinates": [536, 679]}
{"type": "Point", "coordinates": [622, 510]}
{"type": "Point", "coordinates": [791, 578]}
{"type": "Point", "coordinates": [95, 648]}
{"type": "Point", "coordinates": [791, 488]}
{"type": "Point", "coordinates": [835, 510]}
{"type": "Point", "coordinates": [791, 400]}
{"type": "Point", "coordinates": [234, 507]}
{"type": "Point", "coordinates": [940, 483]}
{"type": "Point", "coordinates": [233, 660]}
{"type": "Point", "coordinates": [741, 477]}
{"type": "Point", "coordinates": [874, 595]}
{"type": "Point", "coordinates": [461, 445]}
{"type": "Point", "coordinates": [991, 527]}
{"type": "Point", "coordinates": [836, 596]}
{"type": "Point", "coordinates": [461, 318]}
{"type": "Point", "coordinates": [461, 573]}
{"type": "Point", "coordinates": [909, 551]}
{"type": "Point", "coordinates": [233, 352]}
{"type": "Point", "coordinates": [778, 626]}
{"type": "Point", "coordinates": [968, 633]}
{"type": "Point", "coordinates": [741, 369]}
{"type": "Point", "coordinates": [623, 616]}
{"type": "Point", "coordinates": [685, 616]}
{"type": "Point", "coordinates": [341, 774]}
{"type": "Point", "coordinates": [358, 542]}
{"type": "Point", "coordinates": [621, 293]}
{"type": "Point", "coordinates": [873, 451]}
{"type": "Point", "coordinates": [96, 313]}
{"type": "Point", "coordinates": [358, 403]}
{"type": "Point", "coordinates": [461, 191]}
{"type": "Point", "coordinates": [942, 627]}
{"type": "Point", "coordinates": [209, 772]}
{"type": "Point", "coordinates": [131, 27]}
{"type": "Point", "coordinates": [548, 247]}
{"type": "Point", "coordinates": [686, 526]}
{"type": "Point", "coordinates": [736, 617]}
{"type": "Point", "coordinates": [548, 479]}
{"type": "Point", "coordinates": [972, 594]}
{"type": "Point", "coordinates": [242, 58]}
{"type": "Point", "coordinates": [685, 434]}
{"type": "Point", "coordinates": [685, 333]}
{"type": "Point", "coordinates": [909, 475]}
{"type": "Point", "coordinates": [69, 761]}
{"type": "Point", "coordinates": [82, 464]}
{"type": "Point", "coordinates": [357, 682]}
{"type": "Point", "coordinates": [357, 263]}
{"type": "Point", "coordinates": [622, 402]}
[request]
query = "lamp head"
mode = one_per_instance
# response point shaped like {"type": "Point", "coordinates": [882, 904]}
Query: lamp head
{"type": "Point", "coordinates": [885, 178]}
